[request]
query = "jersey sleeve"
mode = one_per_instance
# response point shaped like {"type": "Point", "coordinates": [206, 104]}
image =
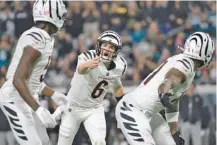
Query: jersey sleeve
{"type": "Point", "coordinates": [34, 40]}
{"type": "Point", "coordinates": [184, 65]}
{"type": "Point", "coordinates": [124, 65]}
{"type": "Point", "coordinates": [84, 56]}
{"type": "Point", "coordinates": [116, 83]}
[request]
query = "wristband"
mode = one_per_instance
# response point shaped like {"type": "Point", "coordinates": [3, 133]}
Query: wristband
{"type": "Point", "coordinates": [172, 117]}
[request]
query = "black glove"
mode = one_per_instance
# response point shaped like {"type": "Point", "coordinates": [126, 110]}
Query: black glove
{"type": "Point", "coordinates": [119, 98]}
{"type": "Point", "coordinates": [165, 99]}
{"type": "Point", "coordinates": [178, 139]}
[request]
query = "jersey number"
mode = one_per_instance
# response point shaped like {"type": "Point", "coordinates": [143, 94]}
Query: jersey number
{"type": "Point", "coordinates": [148, 78]}
{"type": "Point", "coordinates": [98, 90]}
{"type": "Point", "coordinates": [42, 76]}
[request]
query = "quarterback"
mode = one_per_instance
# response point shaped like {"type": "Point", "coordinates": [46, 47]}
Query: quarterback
{"type": "Point", "coordinates": [97, 71]}
{"type": "Point", "coordinates": [137, 113]}
{"type": "Point", "coordinates": [19, 94]}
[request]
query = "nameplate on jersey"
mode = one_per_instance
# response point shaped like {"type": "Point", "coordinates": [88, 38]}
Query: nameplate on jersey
{"type": "Point", "coordinates": [109, 78]}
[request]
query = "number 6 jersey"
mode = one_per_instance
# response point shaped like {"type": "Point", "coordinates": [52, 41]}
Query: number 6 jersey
{"type": "Point", "coordinates": [39, 40]}
{"type": "Point", "coordinates": [88, 90]}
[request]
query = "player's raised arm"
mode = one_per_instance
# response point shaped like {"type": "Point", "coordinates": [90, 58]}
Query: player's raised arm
{"type": "Point", "coordinates": [85, 62]}
{"type": "Point", "coordinates": [173, 78]}
{"type": "Point", "coordinates": [24, 69]}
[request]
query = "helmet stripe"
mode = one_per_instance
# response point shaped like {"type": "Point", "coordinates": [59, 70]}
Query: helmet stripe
{"type": "Point", "coordinates": [206, 49]}
{"type": "Point", "coordinates": [43, 2]}
{"type": "Point", "coordinates": [201, 38]}
{"type": "Point", "coordinates": [50, 8]}
{"type": "Point", "coordinates": [194, 39]}
{"type": "Point", "coordinates": [112, 37]}
{"type": "Point", "coordinates": [57, 10]}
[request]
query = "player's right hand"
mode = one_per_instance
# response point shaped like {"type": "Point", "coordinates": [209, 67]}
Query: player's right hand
{"type": "Point", "coordinates": [165, 100]}
{"type": "Point", "coordinates": [46, 118]}
{"type": "Point", "coordinates": [57, 113]}
{"type": "Point", "coordinates": [178, 139]}
{"type": "Point", "coordinates": [93, 63]}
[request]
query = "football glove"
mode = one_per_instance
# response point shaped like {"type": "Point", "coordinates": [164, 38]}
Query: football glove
{"type": "Point", "coordinates": [60, 99]}
{"type": "Point", "coordinates": [46, 118]}
{"type": "Point", "coordinates": [165, 99]}
{"type": "Point", "coordinates": [178, 139]}
{"type": "Point", "coordinates": [57, 113]}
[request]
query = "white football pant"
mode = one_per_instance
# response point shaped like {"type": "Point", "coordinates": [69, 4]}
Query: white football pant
{"type": "Point", "coordinates": [24, 123]}
{"type": "Point", "coordinates": [94, 123]}
{"type": "Point", "coordinates": [139, 128]}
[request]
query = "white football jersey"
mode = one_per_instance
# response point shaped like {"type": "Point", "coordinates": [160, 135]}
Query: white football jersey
{"type": "Point", "coordinates": [88, 90]}
{"type": "Point", "coordinates": [43, 42]}
{"type": "Point", "coordinates": [146, 95]}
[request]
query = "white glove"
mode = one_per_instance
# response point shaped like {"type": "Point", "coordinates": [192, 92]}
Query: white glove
{"type": "Point", "coordinates": [45, 117]}
{"type": "Point", "coordinates": [57, 114]}
{"type": "Point", "coordinates": [60, 99]}
{"type": "Point", "coordinates": [59, 111]}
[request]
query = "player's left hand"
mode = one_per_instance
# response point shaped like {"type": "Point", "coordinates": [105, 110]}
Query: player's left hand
{"type": "Point", "coordinates": [178, 139]}
{"type": "Point", "coordinates": [59, 111]}
{"type": "Point", "coordinates": [60, 99]}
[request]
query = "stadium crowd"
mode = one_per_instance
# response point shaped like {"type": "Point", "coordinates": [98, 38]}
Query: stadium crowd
{"type": "Point", "coordinates": [151, 32]}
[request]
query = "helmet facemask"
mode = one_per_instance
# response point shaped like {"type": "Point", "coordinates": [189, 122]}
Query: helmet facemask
{"type": "Point", "coordinates": [107, 51]}
{"type": "Point", "coordinates": [108, 45]}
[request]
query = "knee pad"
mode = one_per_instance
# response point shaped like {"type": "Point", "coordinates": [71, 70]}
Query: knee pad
{"type": "Point", "coordinates": [64, 131]}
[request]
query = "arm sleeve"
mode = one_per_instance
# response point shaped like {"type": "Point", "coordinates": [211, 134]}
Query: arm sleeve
{"type": "Point", "coordinates": [172, 114]}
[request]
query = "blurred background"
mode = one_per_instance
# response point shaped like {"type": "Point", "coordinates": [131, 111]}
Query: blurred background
{"type": "Point", "coordinates": [151, 32]}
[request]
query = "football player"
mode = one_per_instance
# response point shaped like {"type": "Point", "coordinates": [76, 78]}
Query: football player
{"type": "Point", "coordinates": [97, 71]}
{"type": "Point", "coordinates": [19, 94]}
{"type": "Point", "coordinates": [137, 113]}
